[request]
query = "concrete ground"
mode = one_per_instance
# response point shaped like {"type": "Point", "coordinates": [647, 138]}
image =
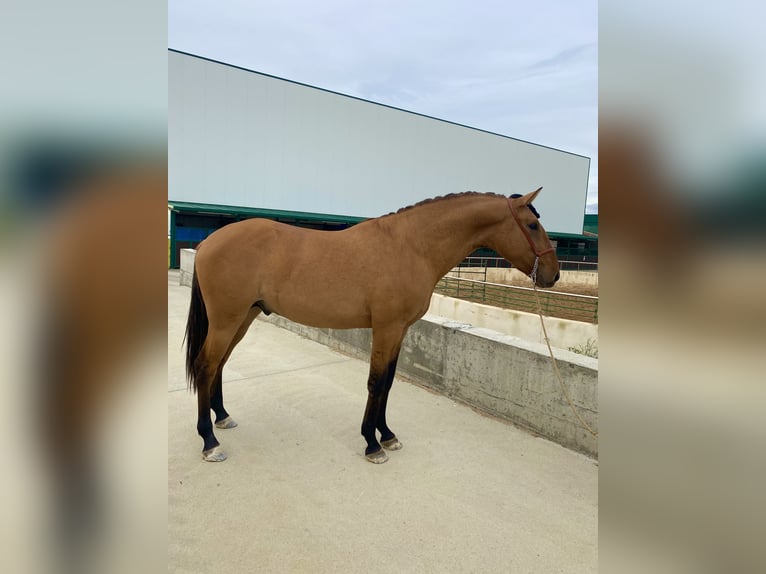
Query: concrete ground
{"type": "Point", "coordinates": [467, 493]}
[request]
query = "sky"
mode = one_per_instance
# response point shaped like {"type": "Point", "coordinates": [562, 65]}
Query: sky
{"type": "Point", "coordinates": [527, 70]}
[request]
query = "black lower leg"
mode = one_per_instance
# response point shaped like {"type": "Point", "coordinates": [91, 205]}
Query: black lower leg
{"type": "Point", "coordinates": [368, 430]}
{"type": "Point", "coordinates": [216, 398]}
{"type": "Point", "coordinates": [385, 432]}
{"type": "Point", "coordinates": [375, 387]}
{"type": "Point", "coordinates": [205, 430]}
{"type": "Point", "coordinates": [204, 424]}
{"type": "Point", "coordinates": [372, 443]}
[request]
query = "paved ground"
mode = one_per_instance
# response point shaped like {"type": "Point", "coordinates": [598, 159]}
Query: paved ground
{"type": "Point", "coordinates": [467, 493]}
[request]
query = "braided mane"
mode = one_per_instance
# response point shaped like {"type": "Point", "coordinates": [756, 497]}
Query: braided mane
{"type": "Point", "coordinates": [443, 198]}
{"type": "Point", "coordinates": [456, 195]}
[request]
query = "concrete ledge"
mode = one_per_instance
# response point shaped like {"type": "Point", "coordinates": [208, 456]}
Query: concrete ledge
{"type": "Point", "coordinates": [187, 266]}
{"type": "Point", "coordinates": [499, 374]}
{"type": "Point", "coordinates": [563, 333]}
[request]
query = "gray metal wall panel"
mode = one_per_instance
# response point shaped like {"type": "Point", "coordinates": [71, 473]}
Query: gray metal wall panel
{"type": "Point", "coordinates": [241, 138]}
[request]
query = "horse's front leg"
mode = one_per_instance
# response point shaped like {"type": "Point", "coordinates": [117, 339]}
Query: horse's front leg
{"type": "Point", "coordinates": [385, 351]}
{"type": "Point", "coordinates": [388, 439]}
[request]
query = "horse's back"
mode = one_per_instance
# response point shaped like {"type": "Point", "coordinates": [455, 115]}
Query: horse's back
{"type": "Point", "coordinates": [336, 279]}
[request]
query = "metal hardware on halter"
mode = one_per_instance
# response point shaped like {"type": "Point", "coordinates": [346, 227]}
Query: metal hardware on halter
{"type": "Point", "coordinates": [533, 274]}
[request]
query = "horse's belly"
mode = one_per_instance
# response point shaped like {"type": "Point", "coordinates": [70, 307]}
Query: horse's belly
{"type": "Point", "coordinates": [328, 322]}
{"type": "Point", "coordinates": [326, 312]}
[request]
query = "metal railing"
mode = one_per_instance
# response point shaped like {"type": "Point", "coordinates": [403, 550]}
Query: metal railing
{"type": "Point", "coordinates": [495, 262]}
{"type": "Point", "coordinates": [553, 303]}
{"type": "Point", "coordinates": [484, 262]}
{"type": "Point", "coordinates": [566, 265]}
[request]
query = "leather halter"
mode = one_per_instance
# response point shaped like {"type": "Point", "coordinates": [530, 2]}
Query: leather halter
{"type": "Point", "coordinates": [523, 228]}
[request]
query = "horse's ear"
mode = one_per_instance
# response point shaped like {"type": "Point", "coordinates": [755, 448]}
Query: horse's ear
{"type": "Point", "coordinates": [530, 197]}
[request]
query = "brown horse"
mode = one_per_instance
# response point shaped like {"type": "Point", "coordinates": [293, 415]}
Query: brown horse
{"type": "Point", "coordinates": [379, 274]}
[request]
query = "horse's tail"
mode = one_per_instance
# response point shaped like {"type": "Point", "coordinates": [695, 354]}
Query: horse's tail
{"type": "Point", "coordinates": [196, 331]}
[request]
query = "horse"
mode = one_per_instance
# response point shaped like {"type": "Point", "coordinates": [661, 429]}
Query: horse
{"type": "Point", "coordinates": [378, 274]}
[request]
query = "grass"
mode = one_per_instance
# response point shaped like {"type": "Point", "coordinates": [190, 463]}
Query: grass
{"type": "Point", "coordinates": [589, 349]}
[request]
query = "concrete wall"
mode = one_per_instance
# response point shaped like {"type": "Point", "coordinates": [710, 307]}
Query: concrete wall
{"type": "Point", "coordinates": [501, 375]}
{"type": "Point", "coordinates": [562, 333]}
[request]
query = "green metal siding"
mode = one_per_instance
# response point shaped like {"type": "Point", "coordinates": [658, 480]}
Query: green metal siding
{"type": "Point", "coordinates": [201, 219]}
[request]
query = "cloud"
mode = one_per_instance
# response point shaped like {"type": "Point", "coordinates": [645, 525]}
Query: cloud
{"type": "Point", "coordinates": [566, 56]}
{"type": "Point", "coordinates": [528, 71]}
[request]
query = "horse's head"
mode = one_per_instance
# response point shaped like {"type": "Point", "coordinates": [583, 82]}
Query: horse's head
{"type": "Point", "coordinates": [525, 243]}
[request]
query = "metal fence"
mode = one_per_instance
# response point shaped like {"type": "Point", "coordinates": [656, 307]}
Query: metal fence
{"type": "Point", "coordinates": [553, 303]}
{"type": "Point", "coordinates": [494, 262]}
{"type": "Point", "coordinates": [578, 266]}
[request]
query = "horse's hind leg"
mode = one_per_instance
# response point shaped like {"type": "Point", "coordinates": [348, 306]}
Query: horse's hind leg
{"type": "Point", "coordinates": [222, 418]}
{"type": "Point", "coordinates": [208, 362]}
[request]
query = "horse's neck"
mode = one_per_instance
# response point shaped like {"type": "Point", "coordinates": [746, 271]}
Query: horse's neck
{"type": "Point", "coordinates": [447, 232]}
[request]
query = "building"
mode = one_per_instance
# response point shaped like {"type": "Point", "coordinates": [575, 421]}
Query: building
{"type": "Point", "coordinates": [244, 144]}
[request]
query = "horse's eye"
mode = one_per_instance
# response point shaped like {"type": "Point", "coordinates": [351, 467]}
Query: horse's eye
{"type": "Point", "coordinates": [533, 226]}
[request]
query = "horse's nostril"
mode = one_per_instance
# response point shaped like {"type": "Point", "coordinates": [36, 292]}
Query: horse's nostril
{"type": "Point", "coordinates": [558, 275]}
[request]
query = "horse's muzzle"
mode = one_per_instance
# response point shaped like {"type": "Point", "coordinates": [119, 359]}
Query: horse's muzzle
{"type": "Point", "coordinates": [546, 284]}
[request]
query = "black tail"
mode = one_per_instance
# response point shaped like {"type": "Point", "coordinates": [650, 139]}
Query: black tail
{"type": "Point", "coordinates": [196, 331]}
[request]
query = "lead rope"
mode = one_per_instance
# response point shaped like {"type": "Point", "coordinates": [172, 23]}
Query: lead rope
{"type": "Point", "coordinates": [583, 424]}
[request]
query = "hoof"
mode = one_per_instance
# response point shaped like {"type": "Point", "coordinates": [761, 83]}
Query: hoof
{"type": "Point", "coordinates": [227, 423]}
{"type": "Point", "coordinates": [215, 454]}
{"type": "Point", "coordinates": [391, 444]}
{"type": "Point", "coordinates": [377, 457]}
